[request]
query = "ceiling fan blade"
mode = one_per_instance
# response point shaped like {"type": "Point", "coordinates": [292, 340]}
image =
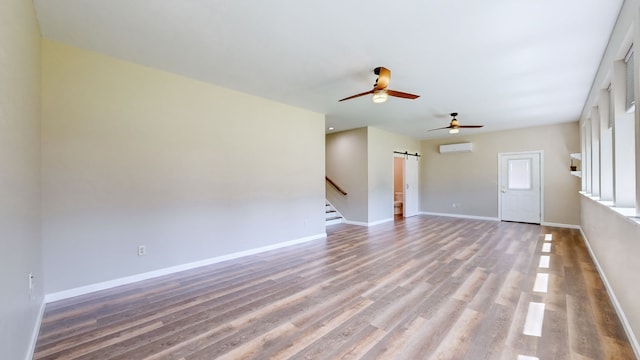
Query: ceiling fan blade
{"type": "Point", "coordinates": [442, 128]}
{"type": "Point", "coordinates": [401, 94]}
{"type": "Point", "coordinates": [357, 95]}
{"type": "Point", "coordinates": [470, 126]}
{"type": "Point", "coordinates": [384, 75]}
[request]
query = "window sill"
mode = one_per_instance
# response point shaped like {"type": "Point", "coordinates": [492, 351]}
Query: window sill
{"type": "Point", "coordinates": [630, 214]}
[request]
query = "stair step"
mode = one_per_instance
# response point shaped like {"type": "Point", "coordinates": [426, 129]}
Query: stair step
{"type": "Point", "coordinates": [332, 216]}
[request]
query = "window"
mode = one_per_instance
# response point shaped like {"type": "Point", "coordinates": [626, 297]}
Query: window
{"type": "Point", "coordinates": [595, 151]}
{"type": "Point", "coordinates": [629, 102]}
{"type": "Point", "coordinates": [519, 174]}
{"type": "Point", "coordinates": [624, 143]}
{"type": "Point", "coordinates": [610, 100]}
{"type": "Point", "coordinates": [609, 128]}
{"type": "Point", "coordinates": [586, 158]}
{"type": "Point", "coordinates": [606, 146]}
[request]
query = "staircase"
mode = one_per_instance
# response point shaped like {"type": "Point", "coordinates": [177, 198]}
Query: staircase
{"type": "Point", "coordinates": [332, 215]}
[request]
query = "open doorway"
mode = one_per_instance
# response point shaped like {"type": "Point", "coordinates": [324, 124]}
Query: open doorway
{"type": "Point", "coordinates": [405, 186]}
{"type": "Point", "coordinates": [398, 186]}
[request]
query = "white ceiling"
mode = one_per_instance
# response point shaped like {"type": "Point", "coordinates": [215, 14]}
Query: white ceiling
{"type": "Point", "coordinates": [502, 63]}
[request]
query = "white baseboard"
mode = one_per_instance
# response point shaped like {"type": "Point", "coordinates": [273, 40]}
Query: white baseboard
{"type": "Point", "coordinates": [334, 221]}
{"type": "Point", "coordinates": [60, 295]}
{"type": "Point", "coordinates": [566, 226]}
{"type": "Point", "coordinates": [359, 223]}
{"type": "Point", "coordinates": [616, 305]}
{"type": "Point", "coordinates": [381, 221]}
{"type": "Point", "coordinates": [36, 332]}
{"type": "Point", "coordinates": [462, 216]}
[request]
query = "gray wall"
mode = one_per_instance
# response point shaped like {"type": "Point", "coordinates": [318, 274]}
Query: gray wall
{"type": "Point", "coordinates": [346, 165]}
{"type": "Point", "coordinates": [136, 156]}
{"type": "Point", "coordinates": [20, 245]}
{"type": "Point", "coordinates": [381, 146]}
{"type": "Point", "coordinates": [471, 179]}
{"type": "Point", "coordinates": [361, 162]}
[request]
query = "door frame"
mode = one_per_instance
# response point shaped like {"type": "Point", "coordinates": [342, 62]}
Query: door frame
{"type": "Point", "coordinates": [404, 183]}
{"type": "Point", "coordinates": [500, 155]}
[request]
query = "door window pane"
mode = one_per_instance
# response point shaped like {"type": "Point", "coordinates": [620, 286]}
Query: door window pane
{"type": "Point", "coordinates": [519, 174]}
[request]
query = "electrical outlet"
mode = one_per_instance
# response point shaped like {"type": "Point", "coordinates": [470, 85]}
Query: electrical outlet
{"type": "Point", "coordinates": [142, 250]}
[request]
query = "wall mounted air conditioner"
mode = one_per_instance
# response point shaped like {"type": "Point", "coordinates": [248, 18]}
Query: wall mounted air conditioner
{"type": "Point", "coordinates": [454, 148]}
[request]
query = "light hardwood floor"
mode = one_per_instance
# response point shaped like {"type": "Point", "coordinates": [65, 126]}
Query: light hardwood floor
{"type": "Point", "coordinates": [418, 288]}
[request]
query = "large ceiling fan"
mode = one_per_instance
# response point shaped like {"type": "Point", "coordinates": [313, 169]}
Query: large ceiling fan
{"type": "Point", "coordinates": [380, 91]}
{"type": "Point", "coordinates": [454, 126]}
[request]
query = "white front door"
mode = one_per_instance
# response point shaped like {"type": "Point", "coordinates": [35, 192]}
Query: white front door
{"type": "Point", "coordinates": [411, 186]}
{"type": "Point", "coordinates": [520, 187]}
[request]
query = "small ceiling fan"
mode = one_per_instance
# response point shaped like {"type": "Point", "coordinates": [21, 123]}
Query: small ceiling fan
{"type": "Point", "coordinates": [454, 126]}
{"type": "Point", "coordinates": [380, 91]}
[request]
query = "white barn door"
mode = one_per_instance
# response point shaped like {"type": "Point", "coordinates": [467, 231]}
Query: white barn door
{"type": "Point", "coordinates": [410, 186]}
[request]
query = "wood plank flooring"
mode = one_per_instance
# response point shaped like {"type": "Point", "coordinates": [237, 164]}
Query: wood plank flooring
{"type": "Point", "coordinates": [419, 288]}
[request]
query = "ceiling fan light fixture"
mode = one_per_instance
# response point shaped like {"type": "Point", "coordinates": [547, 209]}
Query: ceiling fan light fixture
{"type": "Point", "coordinates": [454, 131]}
{"type": "Point", "coordinates": [379, 96]}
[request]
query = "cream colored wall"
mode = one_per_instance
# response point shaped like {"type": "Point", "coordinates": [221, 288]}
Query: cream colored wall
{"type": "Point", "coordinates": [381, 145]}
{"type": "Point", "coordinates": [615, 241]}
{"type": "Point", "coordinates": [20, 244]}
{"type": "Point", "coordinates": [471, 179]}
{"type": "Point", "coordinates": [136, 156]}
{"type": "Point", "coordinates": [346, 164]}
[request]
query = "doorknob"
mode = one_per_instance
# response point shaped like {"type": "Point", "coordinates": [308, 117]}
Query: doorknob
{"type": "Point", "coordinates": [504, 189]}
